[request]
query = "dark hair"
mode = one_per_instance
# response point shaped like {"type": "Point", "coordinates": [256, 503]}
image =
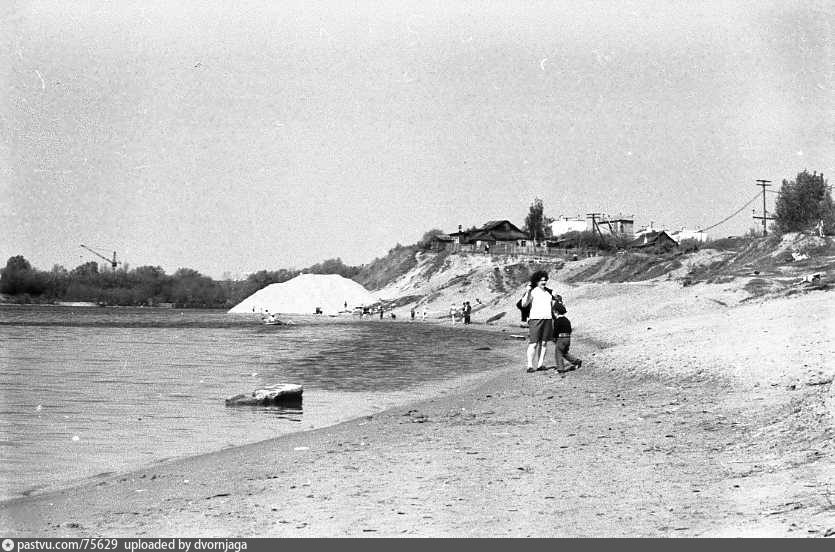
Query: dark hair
{"type": "Point", "coordinates": [537, 276]}
{"type": "Point", "coordinates": [560, 308]}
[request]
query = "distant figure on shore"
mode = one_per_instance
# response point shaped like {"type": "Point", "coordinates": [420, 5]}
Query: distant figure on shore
{"type": "Point", "coordinates": [540, 320]}
{"type": "Point", "coordinates": [423, 314]}
{"type": "Point", "coordinates": [820, 228]}
{"type": "Point", "coordinates": [487, 248]}
{"type": "Point", "coordinates": [562, 332]}
{"type": "Point", "coordinates": [381, 313]}
{"type": "Point", "coordinates": [452, 314]}
{"type": "Point", "coordinates": [467, 311]}
{"type": "Point", "coordinates": [412, 314]}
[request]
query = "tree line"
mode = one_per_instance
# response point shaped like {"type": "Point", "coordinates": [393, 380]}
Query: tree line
{"type": "Point", "coordinates": [142, 286]}
{"type": "Point", "coordinates": [20, 282]}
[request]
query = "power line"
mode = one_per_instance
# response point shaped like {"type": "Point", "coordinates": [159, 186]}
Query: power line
{"type": "Point", "coordinates": [750, 201]}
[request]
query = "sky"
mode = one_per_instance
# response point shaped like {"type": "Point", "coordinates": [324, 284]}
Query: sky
{"type": "Point", "coordinates": [231, 137]}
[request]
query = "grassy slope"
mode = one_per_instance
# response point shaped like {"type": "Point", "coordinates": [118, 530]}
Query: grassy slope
{"type": "Point", "coordinates": [382, 271]}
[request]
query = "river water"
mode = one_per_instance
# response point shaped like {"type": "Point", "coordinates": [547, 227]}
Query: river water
{"type": "Point", "coordinates": [89, 391]}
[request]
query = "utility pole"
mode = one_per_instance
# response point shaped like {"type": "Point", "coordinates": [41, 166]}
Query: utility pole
{"type": "Point", "coordinates": [594, 226]}
{"type": "Point", "coordinates": [765, 217]}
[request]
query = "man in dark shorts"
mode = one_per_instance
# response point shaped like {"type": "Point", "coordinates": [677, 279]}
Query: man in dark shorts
{"type": "Point", "coordinates": [540, 321]}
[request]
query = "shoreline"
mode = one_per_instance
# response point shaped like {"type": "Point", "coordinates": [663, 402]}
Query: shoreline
{"type": "Point", "coordinates": [644, 440]}
{"type": "Point", "coordinates": [17, 509]}
{"type": "Point", "coordinates": [393, 399]}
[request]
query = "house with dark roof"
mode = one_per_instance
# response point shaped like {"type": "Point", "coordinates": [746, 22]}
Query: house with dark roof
{"type": "Point", "coordinates": [652, 239]}
{"type": "Point", "coordinates": [498, 231]}
{"type": "Point", "coordinates": [495, 236]}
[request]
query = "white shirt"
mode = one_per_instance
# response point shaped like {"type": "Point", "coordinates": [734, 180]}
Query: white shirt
{"type": "Point", "coordinates": [540, 304]}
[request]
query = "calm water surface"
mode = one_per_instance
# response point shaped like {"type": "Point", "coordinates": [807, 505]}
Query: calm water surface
{"type": "Point", "coordinates": [86, 391]}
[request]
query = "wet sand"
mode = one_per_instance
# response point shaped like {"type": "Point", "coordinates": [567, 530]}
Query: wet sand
{"type": "Point", "coordinates": [682, 436]}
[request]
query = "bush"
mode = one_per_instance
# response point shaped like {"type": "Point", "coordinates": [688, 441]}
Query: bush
{"type": "Point", "coordinates": [20, 278]}
{"type": "Point", "coordinates": [593, 240]}
{"type": "Point", "coordinates": [425, 242]}
{"type": "Point", "coordinates": [689, 245]}
{"type": "Point", "coordinates": [731, 243]}
{"type": "Point", "coordinates": [804, 203]}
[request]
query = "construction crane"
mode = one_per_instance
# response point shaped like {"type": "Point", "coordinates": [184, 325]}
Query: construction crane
{"type": "Point", "coordinates": [113, 262]}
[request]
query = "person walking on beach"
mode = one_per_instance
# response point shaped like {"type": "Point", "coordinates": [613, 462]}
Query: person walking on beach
{"type": "Point", "coordinates": [423, 314]}
{"type": "Point", "coordinates": [412, 315]}
{"type": "Point", "coordinates": [562, 332]}
{"type": "Point", "coordinates": [540, 321]}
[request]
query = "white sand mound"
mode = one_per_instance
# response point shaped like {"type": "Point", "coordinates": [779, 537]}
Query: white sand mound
{"type": "Point", "coordinates": [304, 293]}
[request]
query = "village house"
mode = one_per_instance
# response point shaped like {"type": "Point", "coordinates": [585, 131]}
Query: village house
{"type": "Point", "coordinates": [652, 239]}
{"type": "Point", "coordinates": [503, 237]}
{"type": "Point", "coordinates": [496, 236]}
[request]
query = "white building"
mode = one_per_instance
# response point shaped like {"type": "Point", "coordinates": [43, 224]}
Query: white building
{"type": "Point", "coordinates": [616, 226]}
{"type": "Point", "coordinates": [685, 234]}
{"type": "Point", "coordinates": [651, 228]}
{"type": "Point", "coordinates": [564, 225]}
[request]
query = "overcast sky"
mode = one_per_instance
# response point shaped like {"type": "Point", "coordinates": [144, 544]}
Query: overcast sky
{"type": "Point", "coordinates": [230, 137]}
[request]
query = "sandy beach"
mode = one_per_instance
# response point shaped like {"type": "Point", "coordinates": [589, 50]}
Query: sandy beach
{"type": "Point", "coordinates": [691, 416]}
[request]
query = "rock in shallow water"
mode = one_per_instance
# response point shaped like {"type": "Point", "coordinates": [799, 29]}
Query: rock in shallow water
{"type": "Point", "coordinates": [283, 393]}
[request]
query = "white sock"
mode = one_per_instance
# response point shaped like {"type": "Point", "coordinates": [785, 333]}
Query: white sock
{"type": "Point", "coordinates": [543, 350]}
{"type": "Point", "coordinates": [531, 354]}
